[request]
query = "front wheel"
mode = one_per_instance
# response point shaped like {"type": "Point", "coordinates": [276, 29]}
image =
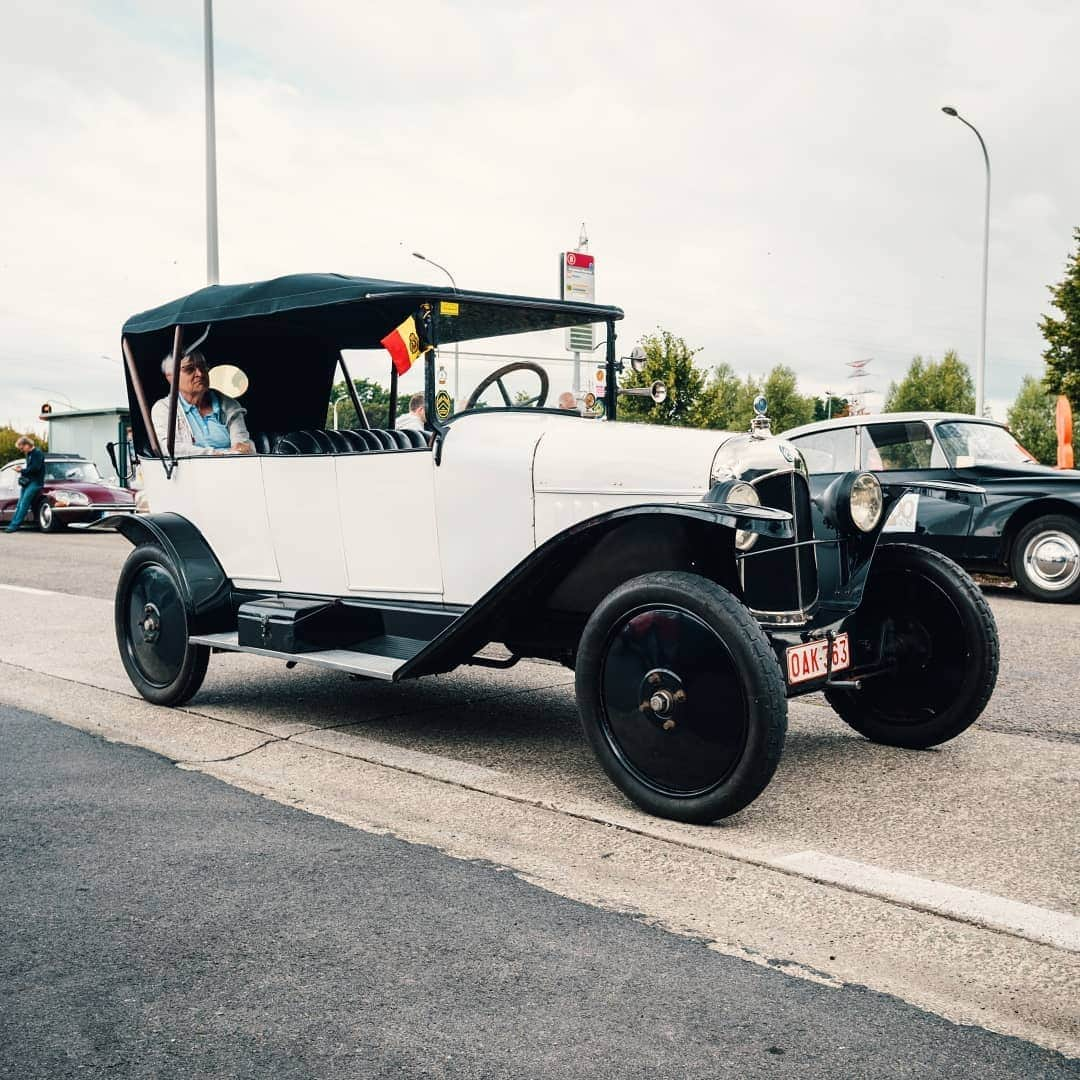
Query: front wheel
{"type": "Point", "coordinates": [681, 697]}
{"type": "Point", "coordinates": [152, 629]}
{"type": "Point", "coordinates": [1046, 558]}
{"type": "Point", "coordinates": [939, 646]}
{"type": "Point", "coordinates": [47, 521]}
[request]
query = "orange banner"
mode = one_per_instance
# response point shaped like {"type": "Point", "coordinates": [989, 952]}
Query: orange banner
{"type": "Point", "coordinates": [1064, 433]}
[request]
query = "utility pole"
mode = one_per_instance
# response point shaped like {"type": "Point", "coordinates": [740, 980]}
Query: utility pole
{"type": "Point", "coordinates": [212, 276]}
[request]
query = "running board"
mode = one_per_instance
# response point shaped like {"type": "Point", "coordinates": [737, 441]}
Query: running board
{"type": "Point", "coordinates": [392, 653]}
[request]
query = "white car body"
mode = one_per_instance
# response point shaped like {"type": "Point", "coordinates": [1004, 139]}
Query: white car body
{"type": "Point", "coordinates": [450, 531]}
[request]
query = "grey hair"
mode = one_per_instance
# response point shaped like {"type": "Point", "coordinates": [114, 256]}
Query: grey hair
{"type": "Point", "coordinates": [23, 440]}
{"type": "Point", "coordinates": [167, 360]}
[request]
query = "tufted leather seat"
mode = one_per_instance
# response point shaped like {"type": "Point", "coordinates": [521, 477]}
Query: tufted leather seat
{"type": "Point", "coordinates": [313, 441]}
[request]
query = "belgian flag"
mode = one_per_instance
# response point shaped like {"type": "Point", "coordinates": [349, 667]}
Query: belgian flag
{"type": "Point", "coordinates": [403, 345]}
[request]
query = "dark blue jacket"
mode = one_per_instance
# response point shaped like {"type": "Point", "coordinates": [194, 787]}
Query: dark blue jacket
{"type": "Point", "coordinates": [34, 470]}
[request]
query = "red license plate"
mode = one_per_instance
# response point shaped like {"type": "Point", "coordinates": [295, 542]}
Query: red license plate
{"type": "Point", "coordinates": [810, 661]}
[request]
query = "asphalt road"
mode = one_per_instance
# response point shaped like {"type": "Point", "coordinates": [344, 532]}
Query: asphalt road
{"type": "Point", "coordinates": [947, 879]}
{"type": "Point", "coordinates": [159, 923]}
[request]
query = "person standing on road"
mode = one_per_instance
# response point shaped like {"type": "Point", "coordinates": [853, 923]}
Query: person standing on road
{"type": "Point", "coordinates": [31, 480]}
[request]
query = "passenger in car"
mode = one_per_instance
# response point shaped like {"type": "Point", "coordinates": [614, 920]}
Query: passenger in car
{"type": "Point", "coordinates": [207, 422]}
{"type": "Point", "coordinates": [416, 418]}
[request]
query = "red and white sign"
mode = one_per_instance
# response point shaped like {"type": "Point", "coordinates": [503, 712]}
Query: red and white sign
{"type": "Point", "coordinates": [577, 282]}
{"type": "Point", "coordinates": [810, 661]}
{"type": "Point", "coordinates": [579, 276]}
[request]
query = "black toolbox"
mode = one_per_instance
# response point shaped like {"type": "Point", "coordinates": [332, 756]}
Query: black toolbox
{"type": "Point", "coordinates": [284, 624]}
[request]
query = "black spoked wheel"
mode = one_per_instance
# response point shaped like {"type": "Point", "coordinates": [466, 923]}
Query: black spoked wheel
{"type": "Point", "coordinates": [152, 630]}
{"type": "Point", "coordinates": [681, 697]}
{"type": "Point", "coordinates": [938, 633]}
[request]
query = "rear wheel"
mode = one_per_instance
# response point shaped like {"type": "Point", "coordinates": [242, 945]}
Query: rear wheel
{"type": "Point", "coordinates": [938, 634]}
{"type": "Point", "coordinates": [152, 629]}
{"type": "Point", "coordinates": [681, 697]}
{"type": "Point", "coordinates": [1046, 558]}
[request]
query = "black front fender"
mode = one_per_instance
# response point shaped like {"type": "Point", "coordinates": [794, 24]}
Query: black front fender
{"type": "Point", "coordinates": [563, 579]}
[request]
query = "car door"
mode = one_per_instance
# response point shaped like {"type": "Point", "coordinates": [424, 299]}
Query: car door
{"type": "Point", "coordinates": [904, 452]}
{"type": "Point", "coordinates": [9, 491]}
{"type": "Point", "coordinates": [386, 509]}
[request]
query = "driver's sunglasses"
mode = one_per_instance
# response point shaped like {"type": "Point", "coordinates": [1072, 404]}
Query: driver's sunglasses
{"type": "Point", "coordinates": [188, 366]}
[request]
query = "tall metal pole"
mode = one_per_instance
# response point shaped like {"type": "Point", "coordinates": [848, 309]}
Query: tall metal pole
{"type": "Point", "coordinates": [212, 277]}
{"type": "Point", "coordinates": [457, 367]}
{"type": "Point", "coordinates": [980, 372]}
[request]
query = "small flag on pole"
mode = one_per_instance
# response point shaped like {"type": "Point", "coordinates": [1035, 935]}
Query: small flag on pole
{"type": "Point", "coordinates": [403, 345]}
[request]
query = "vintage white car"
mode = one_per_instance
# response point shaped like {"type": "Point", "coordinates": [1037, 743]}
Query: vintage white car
{"type": "Point", "coordinates": [687, 577]}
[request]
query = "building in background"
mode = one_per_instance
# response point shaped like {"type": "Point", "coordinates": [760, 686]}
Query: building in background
{"type": "Point", "coordinates": [86, 432]}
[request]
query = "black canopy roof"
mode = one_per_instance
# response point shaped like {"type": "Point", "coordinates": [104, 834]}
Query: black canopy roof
{"type": "Point", "coordinates": [357, 312]}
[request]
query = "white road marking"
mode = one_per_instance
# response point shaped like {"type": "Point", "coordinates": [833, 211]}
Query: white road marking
{"type": "Point", "coordinates": [27, 589]}
{"type": "Point", "coordinates": [966, 905]}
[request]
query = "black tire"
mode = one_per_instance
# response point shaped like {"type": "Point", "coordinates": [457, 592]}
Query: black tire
{"type": "Point", "coordinates": [1045, 558]}
{"type": "Point", "coordinates": [709, 753]}
{"type": "Point", "coordinates": [941, 635]}
{"type": "Point", "coordinates": [46, 519]}
{"type": "Point", "coordinates": [152, 629]}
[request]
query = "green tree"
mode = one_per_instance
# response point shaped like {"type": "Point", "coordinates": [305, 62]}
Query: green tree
{"type": "Point", "coordinates": [671, 360]}
{"type": "Point", "coordinates": [827, 407]}
{"type": "Point", "coordinates": [787, 408]}
{"type": "Point", "coordinates": [8, 435]}
{"type": "Point", "coordinates": [727, 402]}
{"type": "Point", "coordinates": [1032, 419]}
{"type": "Point", "coordinates": [1062, 335]}
{"type": "Point", "coordinates": [374, 397]}
{"type": "Point", "coordinates": [933, 386]}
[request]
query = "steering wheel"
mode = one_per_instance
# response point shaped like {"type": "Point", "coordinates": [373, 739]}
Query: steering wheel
{"type": "Point", "coordinates": [496, 379]}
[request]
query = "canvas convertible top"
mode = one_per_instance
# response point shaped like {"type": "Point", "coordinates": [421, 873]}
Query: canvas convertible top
{"type": "Point", "coordinates": [357, 312]}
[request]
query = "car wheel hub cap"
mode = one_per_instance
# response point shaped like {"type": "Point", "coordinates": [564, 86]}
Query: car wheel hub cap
{"type": "Point", "coordinates": [1052, 560]}
{"type": "Point", "coordinates": [151, 624]}
{"type": "Point", "coordinates": [662, 694]}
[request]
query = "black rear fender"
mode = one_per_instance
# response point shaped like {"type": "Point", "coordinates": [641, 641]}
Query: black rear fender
{"type": "Point", "coordinates": [206, 590]}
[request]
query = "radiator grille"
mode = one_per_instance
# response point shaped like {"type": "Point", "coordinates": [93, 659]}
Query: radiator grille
{"type": "Point", "coordinates": [778, 578]}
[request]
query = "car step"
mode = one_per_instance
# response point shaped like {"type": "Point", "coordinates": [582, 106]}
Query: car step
{"type": "Point", "coordinates": [374, 658]}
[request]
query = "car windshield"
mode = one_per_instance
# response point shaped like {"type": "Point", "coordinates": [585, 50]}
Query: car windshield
{"type": "Point", "coordinates": [485, 375]}
{"type": "Point", "coordinates": [84, 471]}
{"type": "Point", "coordinates": [968, 444]}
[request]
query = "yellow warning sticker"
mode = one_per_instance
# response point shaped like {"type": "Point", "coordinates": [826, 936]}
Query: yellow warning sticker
{"type": "Point", "coordinates": [448, 307]}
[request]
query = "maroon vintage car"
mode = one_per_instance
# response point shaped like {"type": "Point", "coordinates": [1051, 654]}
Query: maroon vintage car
{"type": "Point", "coordinates": [74, 492]}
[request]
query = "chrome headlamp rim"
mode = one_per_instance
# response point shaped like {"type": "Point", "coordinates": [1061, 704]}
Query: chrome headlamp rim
{"type": "Point", "coordinates": [865, 502]}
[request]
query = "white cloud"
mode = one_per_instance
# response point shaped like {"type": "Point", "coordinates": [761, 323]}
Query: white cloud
{"type": "Point", "coordinates": [776, 186]}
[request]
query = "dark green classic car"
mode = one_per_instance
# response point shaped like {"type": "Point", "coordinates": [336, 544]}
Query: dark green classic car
{"type": "Point", "coordinates": [975, 494]}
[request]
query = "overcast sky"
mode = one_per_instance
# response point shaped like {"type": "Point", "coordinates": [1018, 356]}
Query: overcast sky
{"type": "Point", "coordinates": [775, 182]}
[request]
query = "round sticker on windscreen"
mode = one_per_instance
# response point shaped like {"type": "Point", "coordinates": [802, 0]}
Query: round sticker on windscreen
{"type": "Point", "coordinates": [444, 405]}
{"type": "Point", "coordinates": [228, 379]}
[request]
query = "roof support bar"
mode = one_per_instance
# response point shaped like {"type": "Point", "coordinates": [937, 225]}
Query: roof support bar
{"type": "Point", "coordinates": [140, 397]}
{"type": "Point", "coordinates": [611, 390]}
{"type": "Point", "coordinates": [354, 397]}
{"type": "Point", "coordinates": [174, 396]}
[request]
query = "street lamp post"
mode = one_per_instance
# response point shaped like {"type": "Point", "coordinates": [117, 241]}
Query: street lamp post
{"type": "Point", "coordinates": [424, 258]}
{"type": "Point", "coordinates": [211, 148]}
{"type": "Point", "coordinates": [980, 372]}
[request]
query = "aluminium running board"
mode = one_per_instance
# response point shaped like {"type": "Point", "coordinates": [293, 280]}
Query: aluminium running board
{"type": "Point", "coordinates": [391, 653]}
